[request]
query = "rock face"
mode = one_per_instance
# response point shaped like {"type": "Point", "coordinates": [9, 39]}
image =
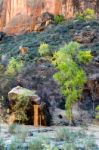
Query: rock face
{"type": "Point", "coordinates": [20, 15]}
{"type": "Point", "coordinates": [87, 35]}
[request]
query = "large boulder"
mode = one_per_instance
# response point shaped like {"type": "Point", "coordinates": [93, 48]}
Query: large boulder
{"type": "Point", "coordinates": [20, 91]}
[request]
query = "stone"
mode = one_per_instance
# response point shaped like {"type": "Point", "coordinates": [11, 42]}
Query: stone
{"type": "Point", "coordinates": [17, 91]}
{"type": "Point", "coordinates": [10, 9]}
{"type": "Point", "coordinates": [85, 36]}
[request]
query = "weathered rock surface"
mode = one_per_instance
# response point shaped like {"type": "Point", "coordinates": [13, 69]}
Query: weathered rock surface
{"type": "Point", "coordinates": [85, 36]}
{"type": "Point", "coordinates": [17, 16]}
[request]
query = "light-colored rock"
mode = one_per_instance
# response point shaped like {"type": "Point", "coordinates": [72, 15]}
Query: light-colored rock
{"type": "Point", "coordinates": [20, 91]}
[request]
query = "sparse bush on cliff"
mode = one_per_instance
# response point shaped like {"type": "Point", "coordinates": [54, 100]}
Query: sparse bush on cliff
{"type": "Point", "coordinates": [58, 19]}
{"type": "Point", "coordinates": [87, 14]}
{"type": "Point", "coordinates": [44, 49]}
{"type": "Point", "coordinates": [70, 75]}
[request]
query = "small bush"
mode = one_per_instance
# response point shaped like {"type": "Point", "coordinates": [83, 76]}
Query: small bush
{"type": "Point", "coordinates": [20, 108]}
{"type": "Point", "coordinates": [97, 112]}
{"type": "Point", "coordinates": [66, 135]}
{"type": "Point", "coordinates": [14, 66]}
{"type": "Point", "coordinates": [36, 144]}
{"type": "Point", "coordinates": [84, 56]}
{"type": "Point", "coordinates": [16, 144]}
{"type": "Point", "coordinates": [58, 19]}
{"type": "Point", "coordinates": [87, 14]}
{"type": "Point", "coordinates": [2, 145]}
{"type": "Point", "coordinates": [44, 49]}
{"type": "Point", "coordinates": [12, 128]}
{"type": "Point", "coordinates": [69, 146]}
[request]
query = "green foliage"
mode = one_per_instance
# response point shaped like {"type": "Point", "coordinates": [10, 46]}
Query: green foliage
{"type": "Point", "coordinates": [16, 144]}
{"type": "Point", "coordinates": [97, 112]}
{"type": "Point", "coordinates": [69, 146]}
{"type": "Point", "coordinates": [70, 75]}
{"type": "Point", "coordinates": [20, 108]}
{"type": "Point", "coordinates": [2, 145]}
{"type": "Point", "coordinates": [58, 19]}
{"type": "Point", "coordinates": [14, 66]}
{"type": "Point", "coordinates": [87, 14]}
{"type": "Point", "coordinates": [12, 128]}
{"type": "Point", "coordinates": [84, 56]}
{"type": "Point", "coordinates": [36, 144]}
{"type": "Point", "coordinates": [44, 49]}
{"type": "Point", "coordinates": [47, 146]}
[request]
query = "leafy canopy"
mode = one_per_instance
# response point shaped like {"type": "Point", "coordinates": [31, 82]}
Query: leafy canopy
{"type": "Point", "coordinates": [70, 75]}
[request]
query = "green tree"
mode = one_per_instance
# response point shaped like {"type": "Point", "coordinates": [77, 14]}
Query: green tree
{"type": "Point", "coordinates": [70, 74]}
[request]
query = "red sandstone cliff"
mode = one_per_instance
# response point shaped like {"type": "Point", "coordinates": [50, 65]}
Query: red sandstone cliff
{"type": "Point", "coordinates": [14, 14]}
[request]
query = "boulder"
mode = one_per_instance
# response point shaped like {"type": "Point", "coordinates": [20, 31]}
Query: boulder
{"type": "Point", "coordinates": [85, 36]}
{"type": "Point", "coordinates": [18, 91]}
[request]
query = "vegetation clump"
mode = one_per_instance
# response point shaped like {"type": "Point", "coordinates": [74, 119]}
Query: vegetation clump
{"type": "Point", "coordinates": [70, 74]}
{"type": "Point", "coordinates": [20, 108]}
{"type": "Point", "coordinates": [58, 19]}
{"type": "Point", "coordinates": [44, 49]}
{"type": "Point", "coordinates": [14, 66]}
{"type": "Point", "coordinates": [88, 14]}
{"type": "Point", "coordinates": [2, 145]}
{"type": "Point", "coordinates": [97, 112]}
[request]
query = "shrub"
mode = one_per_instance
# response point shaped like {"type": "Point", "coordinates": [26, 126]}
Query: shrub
{"type": "Point", "coordinates": [21, 134]}
{"type": "Point", "coordinates": [70, 75]}
{"type": "Point", "coordinates": [44, 49]}
{"type": "Point", "coordinates": [87, 14]}
{"type": "Point", "coordinates": [14, 66]}
{"type": "Point", "coordinates": [2, 145]}
{"type": "Point", "coordinates": [97, 112]}
{"type": "Point", "coordinates": [69, 146]}
{"type": "Point", "coordinates": [20, 108]}
{"type": "Point", "coordinates": [16, 144]}
{"type": "Point", "coordinates": [58, 19]}
{"type": "Point", "coordinates": [12, 128]}
{"type": "Point", "coordinates": [84, 56]}
{"type": "Point", "coordinates": [36, 144]}
{"type": "Point", "coordinates": [47, 146]}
